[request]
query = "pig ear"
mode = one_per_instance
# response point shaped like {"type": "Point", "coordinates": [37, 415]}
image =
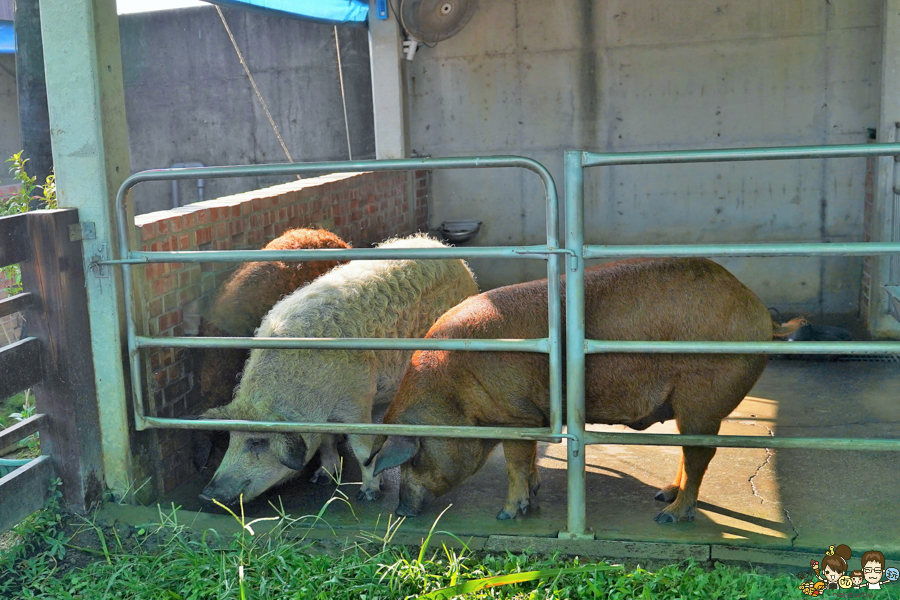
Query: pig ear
{"type": "Point", "coordinates": [201, 447]}
{"type": "Point", "coordinates": [294, 456]}
{"type": "Point", "coordinates": [395, 451]}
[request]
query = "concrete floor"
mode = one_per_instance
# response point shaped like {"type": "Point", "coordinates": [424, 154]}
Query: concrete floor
{"type": "Point", "coordinates": [800, 500]}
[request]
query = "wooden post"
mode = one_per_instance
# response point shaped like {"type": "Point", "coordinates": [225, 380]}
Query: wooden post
{"type": "Point", "coordinates": [71, 436]}
{"type": "Point", "coordinates": [34, 119]}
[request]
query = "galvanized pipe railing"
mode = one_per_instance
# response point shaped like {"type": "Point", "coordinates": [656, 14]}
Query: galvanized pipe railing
{"type": "Point", "coordinates": [551, 251]}
{"type": "Point", "coordinates": [576, 162]}
{"type": "Point", "coordinates": [577, 347]}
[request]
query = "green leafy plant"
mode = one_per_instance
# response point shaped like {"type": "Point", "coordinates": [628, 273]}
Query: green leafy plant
{"type": "Point", "coordinates": [21, 202]}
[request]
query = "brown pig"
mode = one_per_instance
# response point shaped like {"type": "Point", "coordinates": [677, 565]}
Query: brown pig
{"type": "Point", "coordinates": [643, 299]}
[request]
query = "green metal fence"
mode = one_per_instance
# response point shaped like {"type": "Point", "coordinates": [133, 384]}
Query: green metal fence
{"type": "Point", "coordinates": [575, 253]}
{"type": "Point", "coordinates": [577, 347]}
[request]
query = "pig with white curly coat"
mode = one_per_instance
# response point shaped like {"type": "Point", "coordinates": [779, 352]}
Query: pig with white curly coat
{"type": "Point", "coordinates": [361, 299]}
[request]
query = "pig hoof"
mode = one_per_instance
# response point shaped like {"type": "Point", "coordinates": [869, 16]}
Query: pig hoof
{"type": "Point", "coordinates": [665, 517]}
{"type": "Point", "coordinates": [667, 494]}
{"type": "Point", "coordinates": [369, 495]}
{"type": "Point", "coordinates": [505, 516]}
{"type": "Point", "coordinates": [321, 477]}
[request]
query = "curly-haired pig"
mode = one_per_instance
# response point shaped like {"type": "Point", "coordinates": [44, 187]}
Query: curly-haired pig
{"type": "Point", "coordinates": [245, 298]}
{"type": "Point", "coordinates": [237, 310]}
{"type": "Point", "coordinates": [645, 299]}
{"type": "Point", "coordinates": [361, 299]}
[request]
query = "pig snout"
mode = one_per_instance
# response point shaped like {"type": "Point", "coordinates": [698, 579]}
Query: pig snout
{"type": "Point", "coordinates": [226, 491]}
{"type": "Point", "coordinates": [413, 499]}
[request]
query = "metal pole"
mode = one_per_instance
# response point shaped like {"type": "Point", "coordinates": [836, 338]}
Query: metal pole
{"type": "Point", "coordinates": [475, 345]}
{"type": "Point", "coordinates": [229, 256]}
{"type": "Point", "coordinates": [740, 441]}
{"type": "Point", "coordinates": [554, 312]}
{"type": "Point", "coordinates": [790, 249]}
{"type": "Point", "coordinates": [709, 347]}
{"type": "Point", "coordinates": [575, 348]}
{"type": "Point", "coordinates": [593, 159]}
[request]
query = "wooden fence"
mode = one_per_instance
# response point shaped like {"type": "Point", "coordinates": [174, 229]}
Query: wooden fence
{"type": "Point", "coordinates": [54, 359]}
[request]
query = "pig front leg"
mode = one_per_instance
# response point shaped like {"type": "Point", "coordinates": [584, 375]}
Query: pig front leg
{"type": "Point", "coordinates": [331, 462]}
{"type": "Point", "coordinates": [371, 483]}
{"type": "Point", "coordinates": [521, 457]}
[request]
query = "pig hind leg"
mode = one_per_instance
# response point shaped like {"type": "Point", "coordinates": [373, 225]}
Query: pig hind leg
{"type": "Point", "coordinates": [670, 492]}
{"type": "Point", "coordinates": [331, 462]}
{"type": "Point", "coordinates": [523, 477]}
{"type": "Point", "coordinates": [694, 462]}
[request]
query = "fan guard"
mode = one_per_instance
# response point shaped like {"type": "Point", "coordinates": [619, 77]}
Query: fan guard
{"type": "Point", "coordinates": [435, 20]}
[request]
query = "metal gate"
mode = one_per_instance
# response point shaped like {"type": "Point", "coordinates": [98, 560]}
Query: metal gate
{"type": "Point", "coordinates": [575, 253]}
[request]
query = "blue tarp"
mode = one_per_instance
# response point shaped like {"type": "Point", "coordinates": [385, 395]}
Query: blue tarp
{"type": "Point", "coordinates": [7, 38]}
{"type": "Point", "coordinates": [326, 11]}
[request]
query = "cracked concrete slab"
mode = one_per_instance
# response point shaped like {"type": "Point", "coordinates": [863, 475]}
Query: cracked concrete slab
{"type": "Point", "coordinates": [780, 500]}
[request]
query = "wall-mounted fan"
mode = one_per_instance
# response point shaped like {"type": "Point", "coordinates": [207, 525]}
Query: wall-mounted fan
{"type": "Point", "coordinates": [435, 20]}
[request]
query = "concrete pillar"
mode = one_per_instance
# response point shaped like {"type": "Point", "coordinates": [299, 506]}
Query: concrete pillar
{"type": "Point", "coordinates": [86, 103]}
{"type": "Point", "coordinates": [885, 217]}
{"type": "Point", "coordinates": [388, 85]}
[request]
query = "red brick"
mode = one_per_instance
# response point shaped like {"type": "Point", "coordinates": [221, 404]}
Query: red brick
{"type": "Point", "coordinates": [204, 236]}
{"type": "Point", "coordinates": [189, 220]}
{"type": "Point", "coordinates": [221, 230]}
{"type": "Point", "coordinates": [175, 224]}
{"type": "Point", "coordinates": [169, 320]}
{"type": "Point", "coordinates": [188, 295]}
{"type": "Point", "coordinates": [162, 285]}
{"type": "Point", "coordinates": [236, 211]}
{"type": "Point", "coordinates": [162, 227]}
{"type": "Point", "coordinates": [170, 302]}
{"type": "Point", "coordinates": [184, 241]}
{"type": "Point", "coordinates": [214, 213]}
{"type": "Point", "coordinates": [203, 216]}
{"type": "Point", "coordinates": [148, 231]}
{"type": "Point", "coordinates": [155, 308]}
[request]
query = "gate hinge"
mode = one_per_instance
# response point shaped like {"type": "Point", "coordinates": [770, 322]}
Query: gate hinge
{"type": "Point", "coordinates": [101, 253]}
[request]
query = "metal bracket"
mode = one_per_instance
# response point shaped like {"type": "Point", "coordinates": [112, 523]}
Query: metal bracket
{"type": "Point", "coordinates": [97, 266]}
{"type": "Point", "coordinates": [82, 231]}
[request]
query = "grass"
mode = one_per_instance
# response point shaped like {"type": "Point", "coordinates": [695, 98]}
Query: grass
{"type": "Point", "coordinates": [12, 410]}
{"type": "Point", "coordinates": [64, 558]}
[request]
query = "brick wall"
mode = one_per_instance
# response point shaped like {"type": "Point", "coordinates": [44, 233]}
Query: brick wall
{"type": "Point", "coordinates": [362, 208]}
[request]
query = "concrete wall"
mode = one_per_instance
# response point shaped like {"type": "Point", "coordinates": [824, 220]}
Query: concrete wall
{"type": "Point", "coordinates": [536, 78]}
{"type": "Point", "coordinates": [188, 99]}
{"type": "Point", "coordinates": [10, 136]}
